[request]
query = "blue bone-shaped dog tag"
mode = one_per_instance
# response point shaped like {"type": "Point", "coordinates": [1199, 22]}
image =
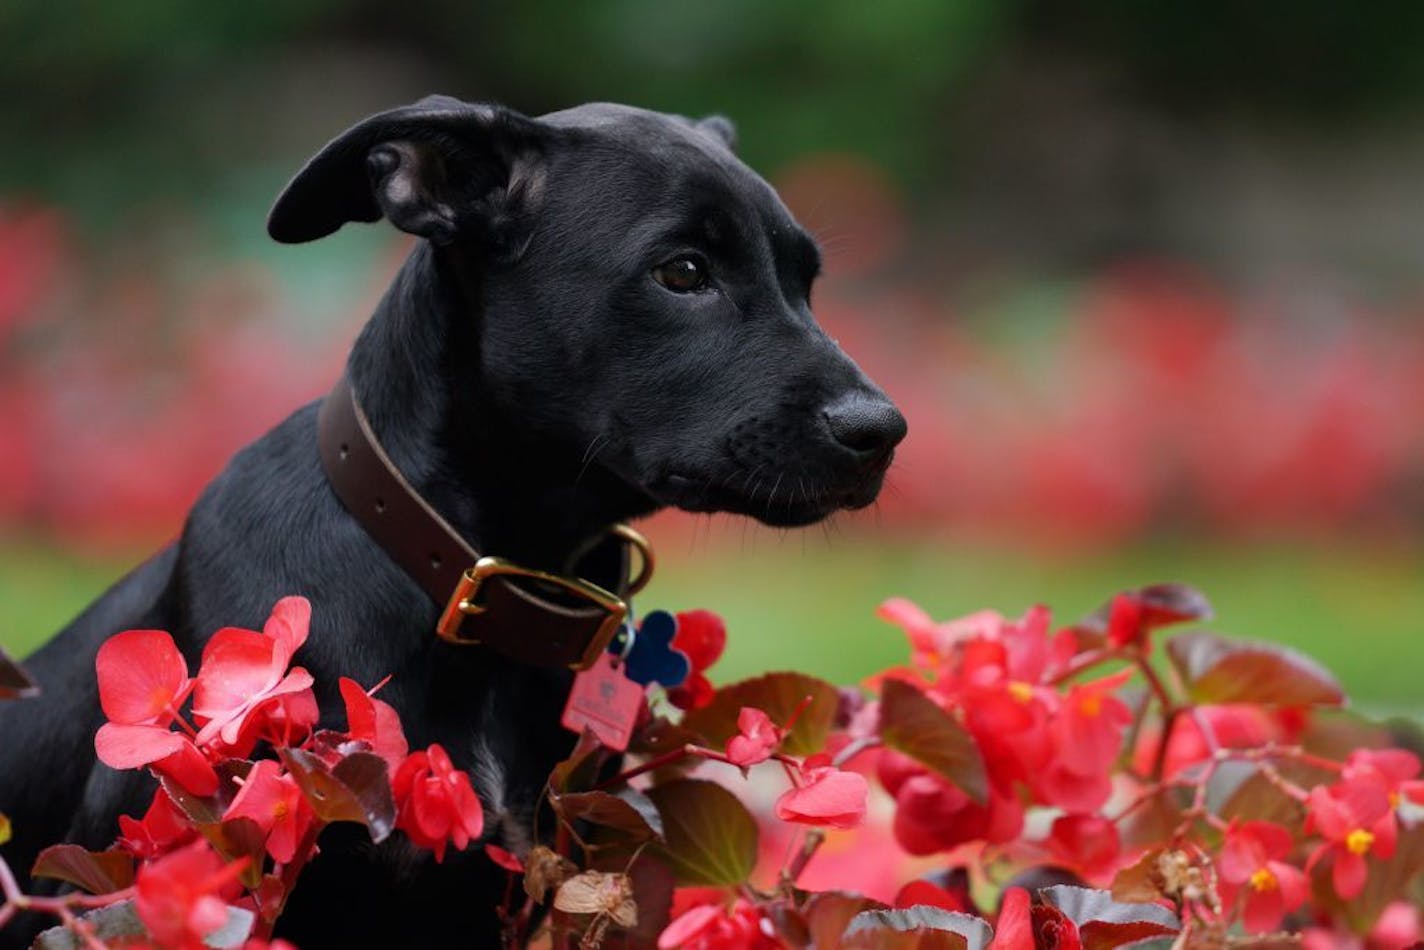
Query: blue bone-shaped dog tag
{"type": "Point", "coordinates": [653, 658]}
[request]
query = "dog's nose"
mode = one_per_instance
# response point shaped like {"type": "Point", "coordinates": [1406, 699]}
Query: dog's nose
{"type": "Point", "coordinates": [868, 425]}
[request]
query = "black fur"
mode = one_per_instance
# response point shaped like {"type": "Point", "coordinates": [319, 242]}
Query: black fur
{"type": "Point", "coordinates": [535, 382]}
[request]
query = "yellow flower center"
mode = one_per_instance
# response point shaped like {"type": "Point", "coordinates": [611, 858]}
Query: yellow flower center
{"type": "Point", "coordinates": [1264, 880]}
{"type": "Point", "coordinates": [1359, 841]}
{"type": "Point", "coordinates": [280, 810]}
{"type": "Point", "coordinates": [158, 699]}
{"type": "Point", "coordinates": [1091, 704]}
{"type": "Point", "coordinates": [1020, 691]}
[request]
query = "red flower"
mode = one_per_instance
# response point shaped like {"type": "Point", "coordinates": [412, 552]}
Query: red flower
{"type": "Point", "coordinates": [701, 636]}
{"type": "Point", "coordinates": [1395, 769]}
{"type": "Point", "coordinates": [244, 672]}
{"type": "Point", "coordinates": [505, 859]}
{"type": "Point", "coordinates": [827, 796]}
{"type": "Point", "coordinates": [142, 682]}
{"type": "Point", "coordinates": [713, 927]}
{"type": "Point", "coordinates": [1086, 843]}
{"type": "Point", "coordinates": [162, 828]}
{"type": "Point", "coordinates": [275, 802]}
{"type": "Point", "coordinates": [1356, 818]}
{"type": "Point", "coordinates": [920, 892]}
{"type": "Point", "coordinates": [169, 753]}
{"type": "Point", "coordinates": [1125, 621]}
{"type": "Point", "coordinates": [932, 814]}
{"type": "Point", "coordinates": [180, 897]}
{"type": "Point", "coordinates": [142, 678]}
{"type": "Point", "coordinates": [1086, 737]}
{"type": "Point", "coordinates": [435, 802]}
{"type": "Point", "coordinates": [1251, 860]}
{"type": "Point", "coordinates": [374, 722]}
{"type": "Point", "coordinates": [757, 739]}
{"type": "Point", "coordinates": [1014, 928]}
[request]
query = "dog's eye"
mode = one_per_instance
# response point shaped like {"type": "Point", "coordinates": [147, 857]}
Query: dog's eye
{"type": "Point", "coordinates": [681, 275]}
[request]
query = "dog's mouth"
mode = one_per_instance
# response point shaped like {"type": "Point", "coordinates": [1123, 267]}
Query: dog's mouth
{"type": "Point", "coordinates": [781, 500]}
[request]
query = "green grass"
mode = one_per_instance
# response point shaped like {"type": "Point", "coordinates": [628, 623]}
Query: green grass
{"type": "Point", "coordinates": [807, 601]}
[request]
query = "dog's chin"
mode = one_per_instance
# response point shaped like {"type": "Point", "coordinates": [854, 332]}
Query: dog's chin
{"type": "Point", "coordinates": [777, 506]}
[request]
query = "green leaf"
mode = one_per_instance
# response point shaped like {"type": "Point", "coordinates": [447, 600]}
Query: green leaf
{"type": "Point", "coordinates": [1218, 670]}
{"type": "Point", "coordinates": [6, 830]}
{"type": "Point", "coordinates": [916, 928]}
{"type": "Point", "coordinates": [15, 683]}
{"type": "Point", "coordinates": [1104, 923]}
{"type": "Point", "coordinates": [629, 811]}
{"type": "Point", "coordinates": [357, 789]}
{"type": "Point", "coordinates": [709, 836]}
{"type": "Point", "coordinates": [911, 722]}
{"type": "Point", "coordinates": [778, 695]}
{"type": "Point", "coordinates": [98, 872]}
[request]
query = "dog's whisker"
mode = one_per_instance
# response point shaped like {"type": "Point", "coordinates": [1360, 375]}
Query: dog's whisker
{"type": "Point", "coordinates": [589, 455]}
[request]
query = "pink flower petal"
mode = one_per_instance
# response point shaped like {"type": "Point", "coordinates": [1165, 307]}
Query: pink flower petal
{"type": "Point", "coordinates": [141, 675]}
{"type": "Point", "coordinates": [289, 625]}
{"type": "Point", "coordinates": [130, 747]}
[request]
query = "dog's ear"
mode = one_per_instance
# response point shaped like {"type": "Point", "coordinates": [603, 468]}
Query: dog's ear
{"type": "Point", "coordinates": [721, 128]}
{"type": "Point", "coordinates": [441, 169]}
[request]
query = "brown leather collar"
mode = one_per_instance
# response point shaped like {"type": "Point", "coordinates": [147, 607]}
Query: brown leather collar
{"type": "Point", "coordinates": [532, 616]}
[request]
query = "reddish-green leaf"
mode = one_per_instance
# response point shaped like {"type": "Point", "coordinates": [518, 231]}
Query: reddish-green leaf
{"type": "Point", "coordinates": [1153, 822]}
{"type": "Point", "coordinates": [1240, 790]}
{"type": "Point", "coordinates": [98, 872]}
{"type": "Point", "coordinates": [630, 811]}
{"type": "Point", "coordinates": [659, 736]}
{"type": "Point", "coordinates": [208, 810]}
{"type": "Point", "coordinates": [1217, 670]}
{"type": "Point", "coordinates": [652, 891]}
{"type": "Point", "coordinates": [1142, 881]}
{"type": "Point", "coordinates": [238, 838]}
{"type": "Point", "coordinates": [912, 723]}
{"type": "Point", "coordinates": [580, 769]}
{"type": "Point", "coordinates": [15, 683]}
{"type": "Point", "coordinates": [709, 836]}
{"type": "Point", "coordinates": [778, 695]}
{"type": "Point", "coordinates": [916, 928]}
{"type": "Point", "coordinates": [357, 789]}
{"type": "Point", "coordinates": [829, 913]}
{"type": "Point", "coordinates": [1104, 923]}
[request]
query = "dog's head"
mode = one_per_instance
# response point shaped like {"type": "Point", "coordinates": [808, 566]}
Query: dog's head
{"type": "Point", "coordinates": [642, 296]}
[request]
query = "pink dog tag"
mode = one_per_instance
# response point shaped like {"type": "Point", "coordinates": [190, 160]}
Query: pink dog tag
{"type": "Point", "coordinates": [606, 701]}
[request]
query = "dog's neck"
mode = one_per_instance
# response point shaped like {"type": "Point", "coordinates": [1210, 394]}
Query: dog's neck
{"type": "Point", "coordinates": [415, 368]}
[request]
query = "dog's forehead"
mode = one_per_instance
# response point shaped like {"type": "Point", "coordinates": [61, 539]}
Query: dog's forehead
{"type": "Point", "coordinates": [635, 126]}
{"type": "Point", "coordinates": [688, 158]}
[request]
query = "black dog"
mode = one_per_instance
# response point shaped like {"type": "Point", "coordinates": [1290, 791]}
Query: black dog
{"type": "Point", "coordinates": [609, 314]}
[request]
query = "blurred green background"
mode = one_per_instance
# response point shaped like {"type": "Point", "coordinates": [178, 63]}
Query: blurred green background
{"type": "Point", "coordinates": [1145, 278]}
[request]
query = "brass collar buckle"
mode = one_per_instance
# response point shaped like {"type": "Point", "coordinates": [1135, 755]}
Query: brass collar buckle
{"type": "Point", "coordinates": [467, 602]}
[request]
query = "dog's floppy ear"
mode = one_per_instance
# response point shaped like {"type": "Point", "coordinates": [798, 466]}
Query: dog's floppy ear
{"type": "Point", "coordinates": [441, 169]}
{"type": "Point", "coordinates": [721, 128]}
